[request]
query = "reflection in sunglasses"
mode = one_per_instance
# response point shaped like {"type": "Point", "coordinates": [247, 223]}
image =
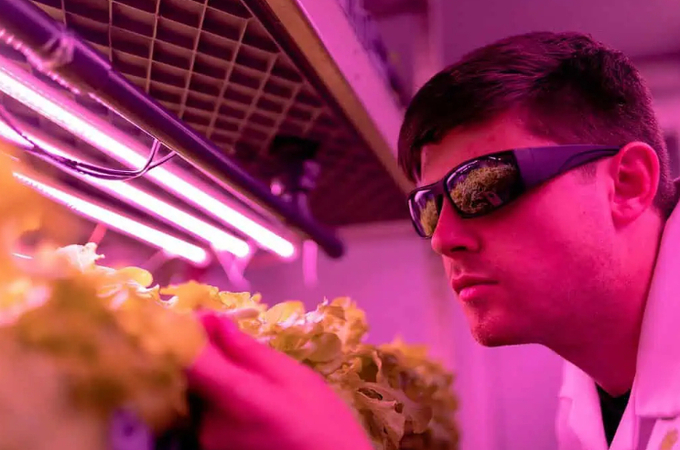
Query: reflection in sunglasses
{"type": "Point", "coordinates": [429, 216]}
{"type": "Point", "coordinates": [482, 187]}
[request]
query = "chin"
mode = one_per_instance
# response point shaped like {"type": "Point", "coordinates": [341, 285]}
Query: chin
{"type": "Point", "coordinates": [495, 334]}
{"type": "Point", "coordinates": [493, 340]}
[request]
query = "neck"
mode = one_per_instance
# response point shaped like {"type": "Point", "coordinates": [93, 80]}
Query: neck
{"type": "Point", "coordinates": [607, 349]}
{"type": "Point", "coordinates": [611, 363]}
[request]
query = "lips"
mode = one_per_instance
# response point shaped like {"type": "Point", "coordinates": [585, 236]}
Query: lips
{"type": "Point", "coordinates": [467, 281]}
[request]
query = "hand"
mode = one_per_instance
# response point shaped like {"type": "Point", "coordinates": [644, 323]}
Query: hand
{"type": "Point", "coordinates": [256, 398]}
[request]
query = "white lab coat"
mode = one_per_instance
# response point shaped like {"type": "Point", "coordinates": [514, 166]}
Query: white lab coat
{"type": "Point", "coordinates": [652, 417]}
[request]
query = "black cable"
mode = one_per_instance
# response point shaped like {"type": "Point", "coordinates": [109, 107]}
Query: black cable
{"type": "Point", "coordinates": [84, 168]}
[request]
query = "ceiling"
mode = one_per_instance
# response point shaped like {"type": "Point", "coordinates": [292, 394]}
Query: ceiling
{"type": "Point", "coordinates": [647, 31]}
{"type": "Point", "coordinates": [636, 27]}
{"type": "Point", "coordinates": [215, 64]}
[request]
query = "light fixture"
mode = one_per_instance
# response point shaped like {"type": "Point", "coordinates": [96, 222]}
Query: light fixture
{"type": "Point", "coordinates": [8, 133]}
{"type": "Point", "coordinates": [220, 240]}
{"type": "Point", "coordinates": [169, 244]}
{"type": "Point", "coordinates": [47, 101]}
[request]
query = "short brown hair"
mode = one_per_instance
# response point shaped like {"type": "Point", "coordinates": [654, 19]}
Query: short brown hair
{"type": "Point", "coordinates": [568, 87]}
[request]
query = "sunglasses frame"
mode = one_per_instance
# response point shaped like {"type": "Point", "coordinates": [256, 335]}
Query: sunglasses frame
{"type": "Point", "coordinates": [535, 165]}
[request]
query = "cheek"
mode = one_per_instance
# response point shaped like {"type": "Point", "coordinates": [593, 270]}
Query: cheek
{"type": "Point", "coordinates": [551, 238]}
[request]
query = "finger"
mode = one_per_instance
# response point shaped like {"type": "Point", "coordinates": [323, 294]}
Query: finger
{"type": "Point", "coordinates": [245, 351]}
{"type": "Point", "coordinates": [216, 380]}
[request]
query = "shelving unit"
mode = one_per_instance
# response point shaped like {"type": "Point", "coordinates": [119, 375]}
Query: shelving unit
{"type": "Point", "coordinates": [216, 81]}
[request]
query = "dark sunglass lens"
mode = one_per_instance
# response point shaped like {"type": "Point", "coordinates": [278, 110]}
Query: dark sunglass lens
{"type": "Point", "coordinates": [425, 207]}
{"type": "Point", "coordinates": [484, 186]}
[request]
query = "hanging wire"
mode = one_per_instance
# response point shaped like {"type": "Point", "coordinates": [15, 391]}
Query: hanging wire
{"type": "Point", "coordinates": [103, 173]}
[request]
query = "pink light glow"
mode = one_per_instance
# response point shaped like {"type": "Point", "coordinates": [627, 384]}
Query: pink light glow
{"type": "Point", "coordinates": [40, 98]}
{"type": "Point", "coordinates": [218, 239]}
{"type": "Point", "coordinates": [11, 136]}
{"type": "Point", "coordinates": [169, 244]}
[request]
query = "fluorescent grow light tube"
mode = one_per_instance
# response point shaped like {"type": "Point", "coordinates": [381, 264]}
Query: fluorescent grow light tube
{"type": "Point", "coordinates": [8, 133]}
{"type": "Point", "coordinates": [218, 239]}
{"type": "Point", "coordinates": [170, 244]}
{"type": "Point", "coordinates": [71, 116]}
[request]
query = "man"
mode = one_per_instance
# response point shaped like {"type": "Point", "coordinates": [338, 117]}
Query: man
{"type": "Point", "coordinates": [543, 182]}
{"type": "Point", "coordinates": [568, 241]}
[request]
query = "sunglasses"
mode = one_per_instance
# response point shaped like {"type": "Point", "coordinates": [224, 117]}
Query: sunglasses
{"type": "Point", "coordinates": [482, 185]}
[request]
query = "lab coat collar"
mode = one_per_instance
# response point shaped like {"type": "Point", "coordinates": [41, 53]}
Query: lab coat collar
{"type": "Point", "coordinates": [582, 416]}
{"type": "Point", "coordinates": [657, 380]}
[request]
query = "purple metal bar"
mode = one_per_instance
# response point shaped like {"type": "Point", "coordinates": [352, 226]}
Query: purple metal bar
{"type": "Point", "coordinates": [45, 39]}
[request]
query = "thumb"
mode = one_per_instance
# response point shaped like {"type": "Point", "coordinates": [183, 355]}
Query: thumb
{"type": "Point", "coordinates": [214, 378]}
{"type": "Point", "coordinates": [242, 349]}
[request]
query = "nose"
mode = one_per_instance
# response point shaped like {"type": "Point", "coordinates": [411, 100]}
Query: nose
{"type": "Point", "coordinates": [453, 234]}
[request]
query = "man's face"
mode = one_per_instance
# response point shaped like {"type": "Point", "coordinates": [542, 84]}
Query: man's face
{"type": "Point", "coordinates": [542, 261]}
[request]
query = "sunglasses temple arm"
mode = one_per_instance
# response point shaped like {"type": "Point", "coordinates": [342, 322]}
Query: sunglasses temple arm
{"type": "Point", "coordinates": [539, 165]}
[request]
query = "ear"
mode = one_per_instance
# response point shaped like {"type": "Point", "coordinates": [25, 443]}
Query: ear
{"type": "Point", "coordinates": [634, 173]}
